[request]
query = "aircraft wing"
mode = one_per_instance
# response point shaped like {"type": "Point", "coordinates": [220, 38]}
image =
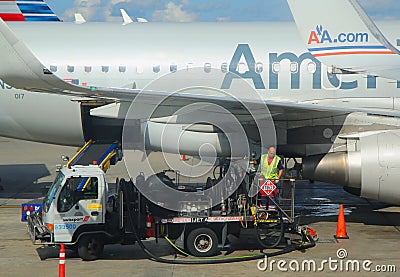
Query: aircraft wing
{"type": "Point", "coordinates": [342, 36]}
{"type": "Point", "coordinates": [21, 69]}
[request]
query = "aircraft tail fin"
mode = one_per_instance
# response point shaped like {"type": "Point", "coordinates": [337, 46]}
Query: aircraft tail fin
{"type": "Point", "coordinates": [337, 28]}
{"type": "Point", "coordinates": [341, 35]}
{"type": "Point", "coordinates": [26, 10]}
{"type": "Point", "coordinates": [127, 19]}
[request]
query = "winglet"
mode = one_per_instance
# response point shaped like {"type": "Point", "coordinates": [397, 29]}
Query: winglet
{"type": "Point", "coordinates": [340, 34]}
{"type": "Point", "coordinates": [13, 69]}
{"type": "Point", "coordinates": [21, 69]}
{"type": "Point", "coordinates": [127, 19]}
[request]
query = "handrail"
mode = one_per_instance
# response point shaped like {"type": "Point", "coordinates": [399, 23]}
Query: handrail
{"type": "Point", "coordinates": [281, 179]}
{"type": "Point", "coordinates": [109, 150]}
{"type": "Point", "coordinates": [292, 181]}
{"type": "Point", "coordinates": [77, 154]}
{"type": "Point", "coordinates": [107, 159]}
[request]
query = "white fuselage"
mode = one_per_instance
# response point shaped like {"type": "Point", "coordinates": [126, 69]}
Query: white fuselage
{"type": "Point", "coordinates": [132, 56]}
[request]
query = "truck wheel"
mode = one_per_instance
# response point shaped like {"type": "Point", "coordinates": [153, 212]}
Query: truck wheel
{"type": "Point", "coordinates": [202, 242]}
{"type": "Point", "coordinates": [90, 248]}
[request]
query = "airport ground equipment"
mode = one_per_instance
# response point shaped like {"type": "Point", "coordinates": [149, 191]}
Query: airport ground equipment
{"type": "Point", "coordinates": [83, 212]}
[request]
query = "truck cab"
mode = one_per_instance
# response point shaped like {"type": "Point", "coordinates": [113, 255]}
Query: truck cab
{"type": "Point", "coordinates": [74, 212]}
{"type": "Point", "coordinates": [74, 199]}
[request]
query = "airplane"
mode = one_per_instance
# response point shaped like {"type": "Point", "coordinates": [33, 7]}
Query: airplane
{"type": "Point", "coordinates": [68, 83]}
{"type": "Point", "coordinates": [128, 20]}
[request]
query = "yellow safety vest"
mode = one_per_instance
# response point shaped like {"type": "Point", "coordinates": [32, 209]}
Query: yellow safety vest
{"type": "Point", "coordinates": [270, 171]}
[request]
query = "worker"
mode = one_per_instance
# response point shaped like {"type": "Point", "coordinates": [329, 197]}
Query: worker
{"type": "Point", "coordinates": [271, 167]}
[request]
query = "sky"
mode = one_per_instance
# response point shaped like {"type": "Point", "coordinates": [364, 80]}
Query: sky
{"type": "Point", "coordinates": [201, 10]}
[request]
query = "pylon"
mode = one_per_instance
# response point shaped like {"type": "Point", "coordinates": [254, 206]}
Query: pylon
{"type": "Point", "coordinates": [61, 263]}
{"type": "Point", "coordinates": [341, 225]}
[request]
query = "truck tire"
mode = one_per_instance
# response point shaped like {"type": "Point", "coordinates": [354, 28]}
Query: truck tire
{"type": "Point", "coordinates": [202, 242]}
{"type": "Point", "coordinates": [90, 248]}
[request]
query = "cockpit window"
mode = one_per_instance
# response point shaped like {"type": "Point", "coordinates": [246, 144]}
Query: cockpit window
{"type": "Point", "coordinates": [75, 189]}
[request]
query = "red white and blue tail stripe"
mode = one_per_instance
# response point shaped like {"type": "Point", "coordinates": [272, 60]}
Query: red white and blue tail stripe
{"type": "Point", "coordinates": [349, 50]}
{"type": "Point", "coordinates": [26, 10]}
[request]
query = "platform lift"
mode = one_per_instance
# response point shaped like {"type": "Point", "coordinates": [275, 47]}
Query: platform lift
{"type": "Point", "coordinates": [80, 211]}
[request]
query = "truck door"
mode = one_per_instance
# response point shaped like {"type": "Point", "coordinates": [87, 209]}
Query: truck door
{"type": "Point", "coordinates": [79, 203]}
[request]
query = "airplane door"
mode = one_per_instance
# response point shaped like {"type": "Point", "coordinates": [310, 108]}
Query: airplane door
{"type": "Point", "coordinates": [79, 203]}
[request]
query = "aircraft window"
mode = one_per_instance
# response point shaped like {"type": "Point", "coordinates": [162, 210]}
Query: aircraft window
{"type": "Point", "coordinates": [76, 189]}
{"type": "Point", "coordinates": [242, 68]}
{"type": "Point", "coordinates": [88, 69]}
{"type": "Point", "coordinates": [207, 67]}
{"type": "Point", "coordinates": [312, 67]}
{"type": "Point", "coordinates": [122, 69]}
{"type": "Point", "coordinates": [105, 68]}
{"type": "Point", "coordinates": [276, 67]}
{"type": "Point", "coordinates": [259, 67]}
{"type": "Point", "coordinates": [294, 67]}
{"type": "Point", "coordinates": [156, 68]}
{"type": "Point", "coordinates": [53, 68]}
{"type": "Point", "coordinates": [173, 68]}
{"type": "Point", "coordinates": [70, 68]}
{"type": "Point", "coordinates": [224, 67]}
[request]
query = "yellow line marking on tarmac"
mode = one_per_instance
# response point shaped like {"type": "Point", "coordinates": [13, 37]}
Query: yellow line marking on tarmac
{"type": "Point", "coordinates": [10, 207]}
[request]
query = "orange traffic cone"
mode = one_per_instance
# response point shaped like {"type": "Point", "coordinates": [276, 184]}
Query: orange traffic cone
{"type": "Point", "coordinates": [341, 225]}
{"type": "Point", "coordinates": [61, 263]}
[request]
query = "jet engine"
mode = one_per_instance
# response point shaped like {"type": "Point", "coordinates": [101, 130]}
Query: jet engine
{"type": "Point", "coordinates": [373, 171]}
{"type": "Point", "coordinates": [189, 139]}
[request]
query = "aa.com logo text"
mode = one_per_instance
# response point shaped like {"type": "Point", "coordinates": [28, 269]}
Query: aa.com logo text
{"type": "Point", "coordinates": [336, 264]}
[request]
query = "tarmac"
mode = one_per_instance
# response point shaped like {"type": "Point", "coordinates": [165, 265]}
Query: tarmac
{"type": "Point", "coordinates": [26, 168]}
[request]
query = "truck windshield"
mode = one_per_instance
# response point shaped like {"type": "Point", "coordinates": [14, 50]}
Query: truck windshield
{"type": "Point", "coordinates": [52, 191]}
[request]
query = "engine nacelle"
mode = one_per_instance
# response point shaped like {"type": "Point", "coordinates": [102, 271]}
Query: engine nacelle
{"type": "Point", "coordinates": [374, 170]}
{"type": "Point", "coordinates": [178, 138]}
